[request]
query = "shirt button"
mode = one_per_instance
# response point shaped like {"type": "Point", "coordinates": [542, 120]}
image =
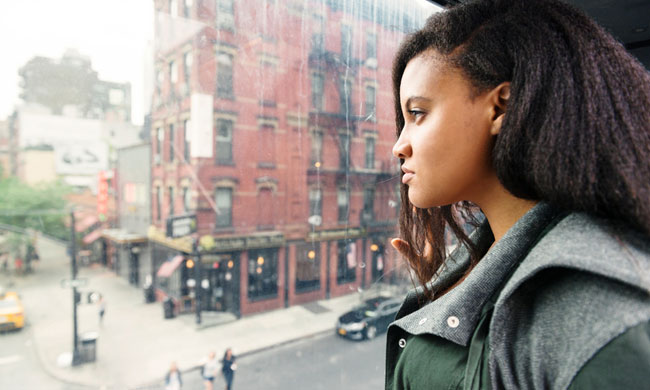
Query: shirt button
{"type": "Point", "coordinates": [422, 321]}
{"type": "Point", "coordinates": [402, 343]}
{"type": "Point", "coordinates": [453, 322]}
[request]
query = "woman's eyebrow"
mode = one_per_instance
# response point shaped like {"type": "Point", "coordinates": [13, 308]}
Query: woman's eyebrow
{"type": "Point", "coordinates": [416, 99]}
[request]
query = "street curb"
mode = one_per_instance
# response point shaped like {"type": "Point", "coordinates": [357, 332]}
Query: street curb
{"type": "Point", "coordinates": [157, 384]}
{"type": "Point", "coordinates": [42, 361]}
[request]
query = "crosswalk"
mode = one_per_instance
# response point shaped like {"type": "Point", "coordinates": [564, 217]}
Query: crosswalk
{"type": "Point", "coordinates": [5, 360]}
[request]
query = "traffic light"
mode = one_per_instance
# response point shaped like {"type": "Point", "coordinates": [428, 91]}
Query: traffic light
{"type": "Point", "coordinates": [77, 297]}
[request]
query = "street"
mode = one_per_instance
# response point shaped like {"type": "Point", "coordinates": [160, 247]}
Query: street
{"type": "Point", "coordinates": [324, 362]}
{"type": "Point", "coordinates": [20, 368]}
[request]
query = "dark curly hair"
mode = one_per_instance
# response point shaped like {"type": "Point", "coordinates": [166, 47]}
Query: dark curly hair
{"type": "Point", "coordinates": [576, 131]}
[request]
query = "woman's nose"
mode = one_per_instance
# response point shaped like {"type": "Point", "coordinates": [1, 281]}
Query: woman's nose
{"type": "Point", "coordinates": [402, 148]}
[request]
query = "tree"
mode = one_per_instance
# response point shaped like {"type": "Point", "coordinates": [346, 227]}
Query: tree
{"type": "Point", "coordinates": [41, 207]}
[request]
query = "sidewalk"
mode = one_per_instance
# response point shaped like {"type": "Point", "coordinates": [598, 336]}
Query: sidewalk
{"type": "Point", "coordinates": [135, 344]}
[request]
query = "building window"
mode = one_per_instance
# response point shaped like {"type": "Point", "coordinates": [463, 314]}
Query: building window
{"type": "Point", "coordinates": [345, 95]}
{"type": "Point", "coordinates": [187, 199]}
{"type": "Point", "coordinates": [370, 101]}
{"type": "Point", "coordinates": [224, 75]}
{"type": "Point", "coordinates": [160, 137]}
{"type": "Point", "coordinates": [265, 209]}
{"type": "Point", "coordinates": [173, 8]}
{"type": "Point", "coordinates": [316, 147]}
{"type": "Point", "coordinates": [343, 201]}
{"type": "Point", "coordinates": [317, 91]}
{"type": "Point", "coordinates": [186, 140]}
{"type": "Point", "coordinates": [315, 202]}
{"type": "Point", "coordinates": [171, 143]}
{"type": "Point", "coordinates": [224, 141]}
{"type": "Point", "coordinates": [159, 201]}
{"type": "Point", "coordinates": [370, 153]}
{"type": "Point", "coordinates": [171, 201]}
{"type": "Point", "coordinates": [344, 150]}
{"type": "Point", "coordinates": [371, 45]}
{"type": "Point", "coordinates": [308, 267]}
{"type": "Point", "coordinates": [268, 84]}
{"type": "Point", "coordinates": [266, 148]}
{"type": "Point", "coordinates": [262, 273]}
{"type": "Point", "coordinates": [318, 42]}
{"type": "Point", "coordinates": [223, 200]}
{"type": "Point", "coordinates": [367, 214]}
{"type": "Point", "coordinates": [173, 73]}
{"type": "Point", "coordinates": [187, 70]}
{"type": "Point", "coordinates": [187, 8]}
{"type": "Point", "coordinates": [347, 262]}
{"type": "Point", "coordinates": [346, 43]}
{"type": "Point", "coordinates": [225, 15]}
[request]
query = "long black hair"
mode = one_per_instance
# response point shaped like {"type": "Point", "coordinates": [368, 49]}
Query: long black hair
{"type": "Point", "coordinates": [576, 131]}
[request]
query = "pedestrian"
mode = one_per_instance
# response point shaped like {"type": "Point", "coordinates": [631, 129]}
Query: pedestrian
{"type": "Point", "coordinates": [210, 370]}
{"type": "Point", "coordinates": [228, 368]}
{"type": "Point", "coordinates": [101, 304]}
{"type": "Point", "coordinates": [5, 262]}
{"type": "Point", "coordinates": [173, 380]}
{"type": "Point", "coordinates": [532, 112]}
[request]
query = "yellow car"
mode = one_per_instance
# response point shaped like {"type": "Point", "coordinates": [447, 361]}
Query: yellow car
{"type": "Point", "coordinates": [12, 314]}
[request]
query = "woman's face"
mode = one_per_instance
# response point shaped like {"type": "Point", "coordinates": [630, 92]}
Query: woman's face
{"type": "Point", "coordinates": [446, 139]}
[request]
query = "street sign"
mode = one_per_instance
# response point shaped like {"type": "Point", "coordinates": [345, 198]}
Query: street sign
{"type": "Point", "coordinates": [70, 283]}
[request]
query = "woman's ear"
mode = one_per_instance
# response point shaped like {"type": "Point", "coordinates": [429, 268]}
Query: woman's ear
{"type": "Point", "coordinates": [499, 98]}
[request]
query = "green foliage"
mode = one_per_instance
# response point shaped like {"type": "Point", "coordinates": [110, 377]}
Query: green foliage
{"type": "Point", "coordinates": [41, 207]}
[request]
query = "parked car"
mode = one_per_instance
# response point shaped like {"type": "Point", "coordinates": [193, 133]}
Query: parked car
{"type": "Point", "coordinates": [12, 314]}
{"type": "Point", "coordinates": [368, 319]}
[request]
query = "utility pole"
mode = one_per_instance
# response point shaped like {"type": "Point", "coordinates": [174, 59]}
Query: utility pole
{"type": "Point", "coordinates": [73, 262]}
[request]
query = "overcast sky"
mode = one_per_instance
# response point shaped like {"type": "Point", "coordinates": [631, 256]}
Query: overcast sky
{"type": "Point", "coordinates": [113, 33]}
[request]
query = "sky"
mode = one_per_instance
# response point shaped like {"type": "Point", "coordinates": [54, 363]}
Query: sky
{"type": "Point", "coordinates": [113, 33]}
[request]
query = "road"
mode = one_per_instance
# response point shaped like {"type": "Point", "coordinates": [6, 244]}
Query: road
{"type": "Point", "coordinates": [20, 368]}
{"type": "Point", "coordinates": [324, 362]}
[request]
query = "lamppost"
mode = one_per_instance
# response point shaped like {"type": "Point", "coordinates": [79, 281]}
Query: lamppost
{"type": "Point", "coordinates": [196, 255]}
{"type": "Point", "coordinates": [73, 262]}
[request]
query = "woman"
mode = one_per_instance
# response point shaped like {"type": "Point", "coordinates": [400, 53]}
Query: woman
{"type": "Point", "coordinates": [228, 368]}
{"type": "Point", "coordinates": [210, 370]}
{"type": "Point", "coordinates": [173, 380]}
{"type": "Point", "coordinates": [530, 111]}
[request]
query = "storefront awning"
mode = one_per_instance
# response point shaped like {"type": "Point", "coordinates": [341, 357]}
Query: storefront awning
{"type": "Point", "coordinates": [86, 222]}
{"type": "Point", "coordinates": [92, 236]}
{"type": "Point", "coordinates": [167, 268]}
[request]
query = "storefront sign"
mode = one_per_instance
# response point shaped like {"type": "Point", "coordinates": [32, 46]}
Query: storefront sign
{"type": "Point", "coordinates": [181, 226]}
{"type": "Point", "coordinates": [225, 244]}
{"type": "Point", "coordinates": [335, 234]}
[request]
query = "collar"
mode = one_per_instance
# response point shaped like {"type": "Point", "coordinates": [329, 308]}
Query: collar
{"type": "Point", "coordinates": [454, 316]}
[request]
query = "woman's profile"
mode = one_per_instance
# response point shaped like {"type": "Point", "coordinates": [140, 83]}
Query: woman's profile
{"type": "Point", "coordinates": [533, 113]}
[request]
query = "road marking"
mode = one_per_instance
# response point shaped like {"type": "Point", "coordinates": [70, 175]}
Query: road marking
{"type": "Point", "coordinates": [10, 359]}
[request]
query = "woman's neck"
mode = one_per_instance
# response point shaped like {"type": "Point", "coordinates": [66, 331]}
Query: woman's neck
{"type": "Point", "coordinates": [502, 210]}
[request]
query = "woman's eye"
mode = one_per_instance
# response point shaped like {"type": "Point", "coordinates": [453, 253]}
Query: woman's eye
{"type": "Point", "coordinates": [415, 114]}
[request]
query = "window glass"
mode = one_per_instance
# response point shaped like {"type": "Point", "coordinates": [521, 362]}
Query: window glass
{"type": "Point", "coordinates": [224, 158]}
{"type": "Point", "coordinates": [223, 202]}
{"type": "Point", "coordinates": [224, 141]}
{"type": "Point", "coordinates": [262, 274]}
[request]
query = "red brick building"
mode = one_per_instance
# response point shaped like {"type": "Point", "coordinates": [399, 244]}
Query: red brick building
{"type": "Point", "coordinates": [291, 176]}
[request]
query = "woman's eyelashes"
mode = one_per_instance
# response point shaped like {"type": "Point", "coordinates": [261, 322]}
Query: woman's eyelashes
{"type": "Point", "coordinates": [415, 114]}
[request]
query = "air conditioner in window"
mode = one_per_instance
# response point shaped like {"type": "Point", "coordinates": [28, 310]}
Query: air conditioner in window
{"type": "Point", "coordinates": [156, 159]}
{"type": "Point", "coordinates": [371, 63]}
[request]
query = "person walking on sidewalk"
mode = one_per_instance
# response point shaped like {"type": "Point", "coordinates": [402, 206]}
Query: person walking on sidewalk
{"type": "Point", "coordinates": [173, 380]}
{"type": "Point", "coordinates": [102, 309]}
{"type": "Point", "coordinates": [210, 370]}
{"type": "Point", "coordinates": [228, 368]}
